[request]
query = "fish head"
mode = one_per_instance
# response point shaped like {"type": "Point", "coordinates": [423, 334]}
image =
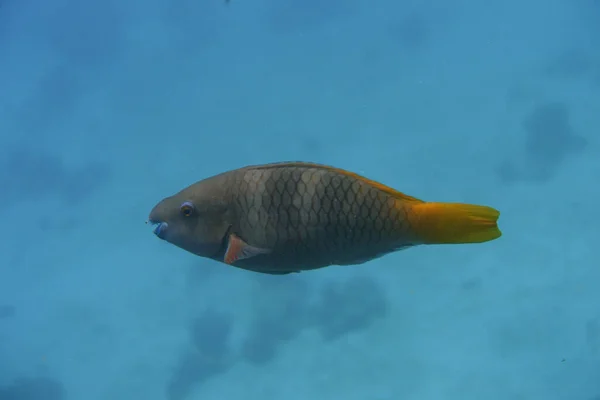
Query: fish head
{"type": "Point", "coordinates": [196, 219]}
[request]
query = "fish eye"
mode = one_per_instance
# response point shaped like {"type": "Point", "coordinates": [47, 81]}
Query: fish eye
{"type": "Point", "coordinates": [187, 209]}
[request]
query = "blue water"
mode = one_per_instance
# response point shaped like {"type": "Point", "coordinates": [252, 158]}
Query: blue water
{"type": "Point", "coordinates": [106, 107]}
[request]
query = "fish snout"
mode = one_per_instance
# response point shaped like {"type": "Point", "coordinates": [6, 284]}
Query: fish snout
{"type": "Point", "coordinates": [160, 229]}
{"type": "Point", "coordinates": [157, 219]}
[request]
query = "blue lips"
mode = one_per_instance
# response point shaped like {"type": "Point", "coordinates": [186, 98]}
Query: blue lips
{"type": "Point", "coordinates": [160, 229]}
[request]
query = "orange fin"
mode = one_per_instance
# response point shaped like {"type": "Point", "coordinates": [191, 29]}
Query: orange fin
{"type": "Point", "coordinates": [453, 223]}
{"type": "Point", "coordinates": [237, 249]}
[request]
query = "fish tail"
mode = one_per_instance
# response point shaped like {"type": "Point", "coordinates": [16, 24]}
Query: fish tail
{"type": "Point", "coordinates": [454, 223]}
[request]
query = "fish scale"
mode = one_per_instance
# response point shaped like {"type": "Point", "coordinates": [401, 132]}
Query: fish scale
{"type": "Point", "coordinates": [339, 214]}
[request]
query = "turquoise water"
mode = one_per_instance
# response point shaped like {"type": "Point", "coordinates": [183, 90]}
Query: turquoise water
{"type": "Point", "coordinates": [107, 107]}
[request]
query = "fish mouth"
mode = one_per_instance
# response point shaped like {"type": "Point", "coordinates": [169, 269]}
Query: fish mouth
{"type": "Point", "coordinates": [160, 228]}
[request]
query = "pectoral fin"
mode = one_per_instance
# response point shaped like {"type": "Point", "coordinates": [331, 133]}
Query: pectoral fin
{"type": "Point", "coordinates": [237, 249]}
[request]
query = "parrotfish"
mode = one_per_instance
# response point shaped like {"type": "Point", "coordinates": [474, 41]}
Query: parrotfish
{"type": "Point", "coordinates": [289, 217]}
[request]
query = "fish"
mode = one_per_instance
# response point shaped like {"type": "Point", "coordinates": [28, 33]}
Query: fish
{"type": "Point", "coordinates": [287, 217]}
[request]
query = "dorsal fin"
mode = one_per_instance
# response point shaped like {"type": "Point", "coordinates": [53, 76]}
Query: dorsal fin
{"type": "Point", "coordinates": [375, 184]}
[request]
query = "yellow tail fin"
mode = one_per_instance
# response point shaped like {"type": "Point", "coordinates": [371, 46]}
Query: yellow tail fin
{"type": "Point", "coordinates": [453, 223]}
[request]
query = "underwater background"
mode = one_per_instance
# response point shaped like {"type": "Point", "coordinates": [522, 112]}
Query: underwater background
{"type": "Point", "coordinates": [108, 106]}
